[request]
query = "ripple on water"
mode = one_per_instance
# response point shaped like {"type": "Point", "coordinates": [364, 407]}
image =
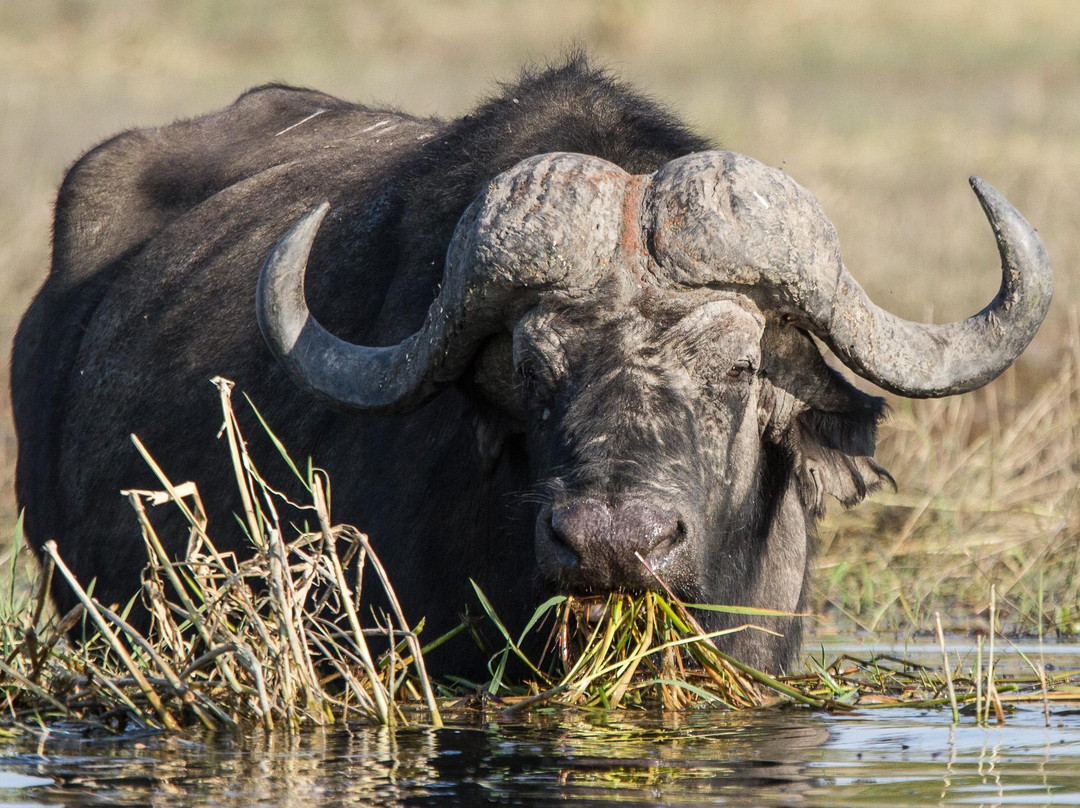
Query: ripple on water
{"type": "Point", "coordinates": [778, 757]}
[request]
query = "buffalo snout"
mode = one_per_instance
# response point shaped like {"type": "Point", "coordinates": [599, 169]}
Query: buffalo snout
{"type": "Point", "coordinates": [587, 545]}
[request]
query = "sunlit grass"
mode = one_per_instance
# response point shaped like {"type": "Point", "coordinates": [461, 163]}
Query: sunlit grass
{"type": "Point", "coordinates": [277, 638]}
{"type": "Point", "coordinates": [987, 496]}
{"type": "Point", "coordinates": [632, 651]}
{"type": "Point", "coordinates": [650, 652]}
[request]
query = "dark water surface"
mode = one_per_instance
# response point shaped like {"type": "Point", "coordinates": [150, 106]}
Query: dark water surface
{"type": "Point", "coordinates": [902, 757]}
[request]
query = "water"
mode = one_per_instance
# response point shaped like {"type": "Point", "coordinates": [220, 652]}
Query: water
{"type": "Point", "coordinates": [793, 756]}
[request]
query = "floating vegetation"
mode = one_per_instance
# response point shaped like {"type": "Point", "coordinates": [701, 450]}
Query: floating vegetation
{"type": "Point", "coordinates": [633, 651]}
{"type": "Point", "coordinates": [649, 650]}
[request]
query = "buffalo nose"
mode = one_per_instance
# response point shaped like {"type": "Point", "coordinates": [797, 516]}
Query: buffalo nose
{"type": "Point", "coordinates": [580, 524]}
{"type": "Point", "coordinates": [603, 541]}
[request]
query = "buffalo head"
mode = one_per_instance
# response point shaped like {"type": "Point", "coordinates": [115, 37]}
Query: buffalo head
{"type": "Point", "coordinates": [652, 336]}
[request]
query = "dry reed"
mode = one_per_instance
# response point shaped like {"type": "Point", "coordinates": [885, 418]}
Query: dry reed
{"type": "Point", "coordinates": [275, 638]}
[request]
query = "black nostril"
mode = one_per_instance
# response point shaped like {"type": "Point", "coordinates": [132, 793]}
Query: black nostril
{"type": "Point", "coordinates": [580, 523]}
{"type": "Point", "coordinates": [645, 527]}
{"type": "Point", "coordinates": [670, 532]}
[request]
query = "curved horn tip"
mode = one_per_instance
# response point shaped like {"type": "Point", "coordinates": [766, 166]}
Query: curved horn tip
{"type": "Point", "coordinates": [990, 197]}
{"type": "Point", "coordinates": [1011, 228]}
{"type": "Point", "coordinates": [280, 308]}
{"type": "Point", "coordinates": [311, 219]}
{"type": "Point", "coordinates": [297, 240]}
{"type": "Point", "coordinates": [994, 204]}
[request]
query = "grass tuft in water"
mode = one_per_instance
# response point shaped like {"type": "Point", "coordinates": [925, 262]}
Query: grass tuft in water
{"type": "Point", "coordinates": [276, 639]}
{"type": "Point", "coordinates": [649, 651]}
{"type": "Point", "coordinates": [645, 650]}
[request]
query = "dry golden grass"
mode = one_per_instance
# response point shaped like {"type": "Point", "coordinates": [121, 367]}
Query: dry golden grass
{"type": "Point", "coordinates": [882, 109]}
{"type": "Point", "coordinates": [988, 495]}
{"type": "Point", "coordinates": [277, 639]}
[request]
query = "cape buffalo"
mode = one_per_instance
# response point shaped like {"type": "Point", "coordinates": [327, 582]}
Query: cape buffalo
{"type": "Point", "coordinates": [543, 338]}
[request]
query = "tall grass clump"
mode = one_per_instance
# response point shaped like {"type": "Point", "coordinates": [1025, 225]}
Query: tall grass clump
{"type": "Point", "coordinates": [649, 651]}
{"type": "Point", "coordinates": [622, 650]}
{"type": "Point", "coordinates": [278, 637]}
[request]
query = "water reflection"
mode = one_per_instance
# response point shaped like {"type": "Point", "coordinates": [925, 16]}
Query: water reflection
{"type": "Point", "coordinates": [792, 757]}
{"type": "Point", "coordinates": [631, 759]}
{"type": "Point", "coordinates": [919, 758]}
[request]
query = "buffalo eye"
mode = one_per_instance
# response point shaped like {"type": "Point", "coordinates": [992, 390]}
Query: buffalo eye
{"type": "Point", "coordinates": [537, 387]}
{"type": "Point", "coordinates": [741, 369]}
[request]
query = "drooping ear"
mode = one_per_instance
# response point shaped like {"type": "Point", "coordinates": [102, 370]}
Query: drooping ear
{"type": "Point", "coordinates": [828, 426]}
{"type": "Point", "coordinates": [835, 453]}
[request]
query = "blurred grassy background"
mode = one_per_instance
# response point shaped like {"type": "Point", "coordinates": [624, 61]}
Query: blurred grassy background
{"type": "Point", "coordinates": [882, 109]}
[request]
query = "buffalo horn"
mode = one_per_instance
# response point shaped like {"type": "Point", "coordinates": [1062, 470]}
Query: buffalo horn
{"type": "Point", "coordinates": [520, 237]}
{"type": "Point", "coordinates": [719, 218]}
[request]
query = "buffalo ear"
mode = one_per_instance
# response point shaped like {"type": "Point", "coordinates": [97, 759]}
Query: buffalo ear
{"type": "Point", "coordinates": [827, 425]}
{"type": "Point", "coordinates": [834, 453]}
